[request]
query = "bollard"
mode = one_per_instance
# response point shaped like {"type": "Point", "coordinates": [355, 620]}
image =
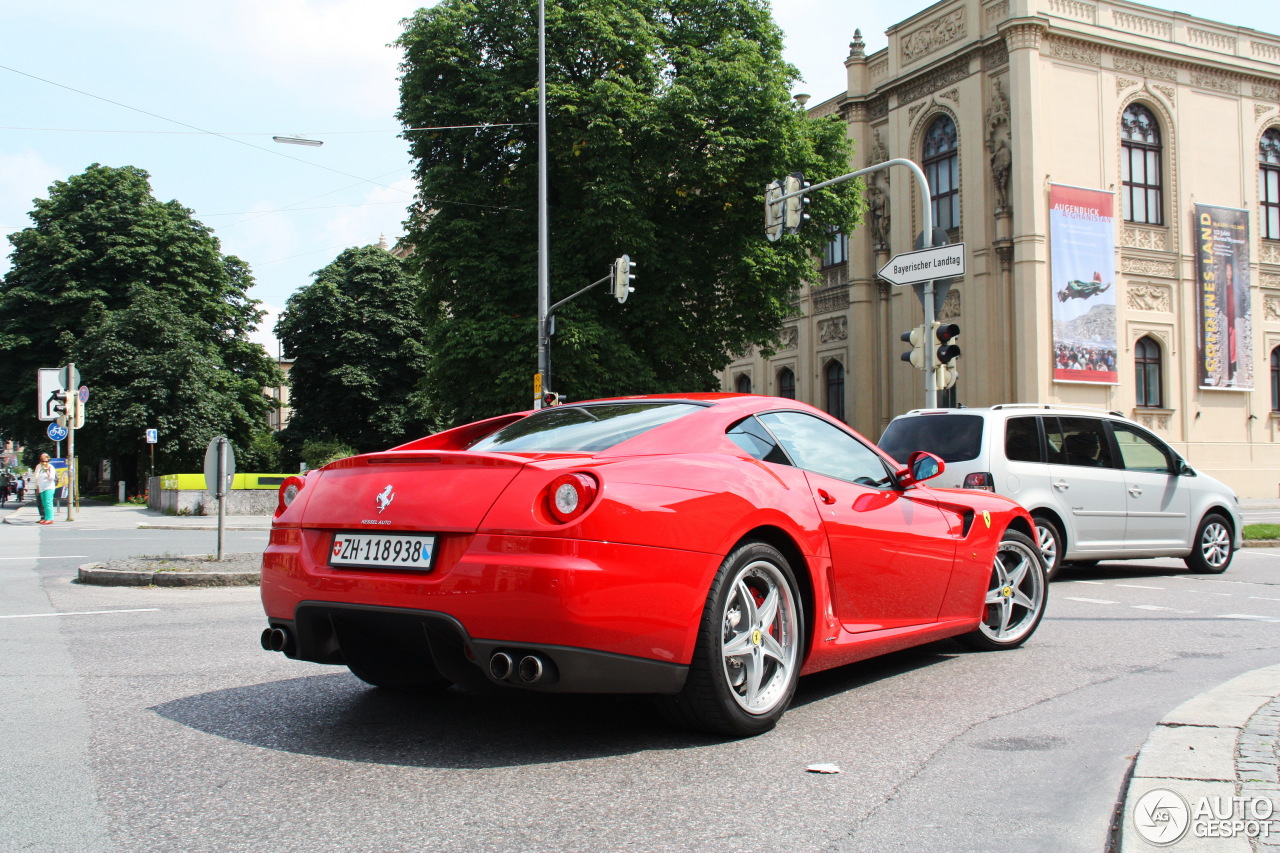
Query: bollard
{"type": "Point", "coordinates": [120, 491]}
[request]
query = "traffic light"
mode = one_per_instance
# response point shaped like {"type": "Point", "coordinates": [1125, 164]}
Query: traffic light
{"type": "Point", "coordinates": [550, 398]}
{"type": "Point", "coordinates": [915, 337]}
{"type": "Point", "coordinates": [60, 405]}
{"type": "Point", "coordinates": [622, 278]}
{"type": "Point", "coordinates": [945, 373]}
{"type": "Point", "coordinates": [794, 216]}
{"type": "Point", "coordinates": [773, 210]}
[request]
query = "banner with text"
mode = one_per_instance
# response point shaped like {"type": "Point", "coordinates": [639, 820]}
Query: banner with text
{"type": "Point", "coordinates": [1225, 322]}
{"type": "Point", "coordinates": [1082, 247]}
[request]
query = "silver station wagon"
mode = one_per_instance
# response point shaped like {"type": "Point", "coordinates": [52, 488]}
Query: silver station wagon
{"type": "Point", "coordinates": [1099, 486]}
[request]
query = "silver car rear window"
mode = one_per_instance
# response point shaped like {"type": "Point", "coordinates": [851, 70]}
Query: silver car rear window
{"type": "Point", "coordinates": [954, 438]}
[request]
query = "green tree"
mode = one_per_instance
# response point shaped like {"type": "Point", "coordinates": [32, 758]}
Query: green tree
{"type": "Point", "coordinates": [154, 366]}
{"type": "Point", "coordinates": [666, 118]}
{"type": "Point", "coordinates": [102, 253]}
{"type": "Point", "coordinates": [355, 336]}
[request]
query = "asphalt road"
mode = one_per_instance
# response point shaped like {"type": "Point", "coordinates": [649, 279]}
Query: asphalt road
{"type": "Point", "coordinates": [136, 719]}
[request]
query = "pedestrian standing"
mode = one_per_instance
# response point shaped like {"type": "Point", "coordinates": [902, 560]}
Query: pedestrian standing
{"type": "Point", "coordinates": [46, 485]}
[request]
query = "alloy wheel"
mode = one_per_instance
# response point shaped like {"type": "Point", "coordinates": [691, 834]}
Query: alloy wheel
{"type": "Point", "coordinates": [1016, 594]}
{"type": "Point", "coordinates": [760, 638]}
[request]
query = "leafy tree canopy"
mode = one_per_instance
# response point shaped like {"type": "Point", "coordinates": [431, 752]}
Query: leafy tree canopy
{"type": "Point", "coordinates": [355, 337]}
{"type": "Point", "coordinates": [154, 366]}
{"type": "Point", "coordinates": [136, 291]}
{"type": "Point", "coordinates": [666, 118]}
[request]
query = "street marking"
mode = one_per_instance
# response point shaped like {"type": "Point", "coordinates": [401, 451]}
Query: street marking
{"type": "Point", "coordinates": [1249, 617]}
{"type": "Point", "coordinates": [66, 557]}
{"type": "Point", "coordinates": [1095, 583]}
{"type": "Point", "coordinates": [1261, 598]}
{"type": "Point", "coordinates": [1137, 586]}
{"type": "Point", "coordinates": [79, 613]}
{"type": "Point", "coordinates": [1092, 600]}
{"type": "Point", "coordinates": [1227, 594]}
{"type": "Point", "coordinates": [1156, 607]}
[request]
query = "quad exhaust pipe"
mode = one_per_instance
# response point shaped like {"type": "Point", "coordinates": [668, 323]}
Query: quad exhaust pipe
{"type": "Point", "coordinates": [529, 669]}
{"type": "Point", "coordinates": [275, 639]}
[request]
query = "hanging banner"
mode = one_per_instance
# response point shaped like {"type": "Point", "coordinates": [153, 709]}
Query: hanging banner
{"type": "Point", "coordinates": [1082, 248]}
{"type": "Point", "coordinates": [1222, 273]}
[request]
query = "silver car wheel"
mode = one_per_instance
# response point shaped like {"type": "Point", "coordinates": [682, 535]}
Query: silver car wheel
{"type": "Point", "coordinates": [1215, 544]}
{"type": "Point", "coordinates": [1016, 594]}
{"type": "Point", "coordinates": [760, 640]}
{"type": "Point", "coordinates": [1047, 541]}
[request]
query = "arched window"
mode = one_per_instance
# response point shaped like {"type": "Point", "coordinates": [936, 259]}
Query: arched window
{"type": "Point", "coordinates": [942, 168]}
{"type": "Point", "coordinates": [1269, 183]}
{"type": "Point", "coordinates": [787, 383]}
{"type": "Point", "coordinates": [1140, 170]}
{"type": "Point", "coordinates": [1275, 380]}
{"type": "Point", "coordinates": [1146, 362]}
{"type": "Point", "coordinates": [742, 384]}
{"type": "Point", "coordinates": [833, 376]}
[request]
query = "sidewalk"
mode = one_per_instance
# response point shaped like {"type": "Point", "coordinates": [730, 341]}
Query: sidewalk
{"type": "Point", "coordinates": [93, 514]}
{"type": "Point", "coordinates": [1206, 777]}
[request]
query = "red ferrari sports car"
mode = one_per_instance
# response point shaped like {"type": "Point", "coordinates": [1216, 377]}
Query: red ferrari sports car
{"type": "Point", "coordinates": [708, 549]}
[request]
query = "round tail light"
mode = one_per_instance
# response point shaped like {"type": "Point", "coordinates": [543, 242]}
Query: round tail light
{"type": "Point", "coordinates": [288, 491]}
{"type": "Point", "coordinates": [569, 495]}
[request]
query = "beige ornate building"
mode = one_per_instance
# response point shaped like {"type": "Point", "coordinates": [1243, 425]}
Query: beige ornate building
{"type": "Point", "coordinates": [1000, 101]}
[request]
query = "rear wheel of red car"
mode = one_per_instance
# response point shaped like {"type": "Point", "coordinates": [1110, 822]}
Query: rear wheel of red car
{"type": "Point", "coordinates": [1015, 595]}
{"type": "Point", "coordinates": [747, 660]}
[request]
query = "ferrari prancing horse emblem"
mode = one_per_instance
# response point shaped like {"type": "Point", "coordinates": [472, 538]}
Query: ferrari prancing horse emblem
{"type": "Point", "coordinates": [384, 500]}
{"type": "Point", "coordinates": [986, 516]}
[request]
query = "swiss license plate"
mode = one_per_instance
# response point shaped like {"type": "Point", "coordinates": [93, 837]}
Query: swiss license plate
{"type": "Point", "coordinates": [382, 550]}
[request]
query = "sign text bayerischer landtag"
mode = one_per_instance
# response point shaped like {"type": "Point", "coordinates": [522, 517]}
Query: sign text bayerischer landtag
{"type": "Point", "coordinates": [936, 262]}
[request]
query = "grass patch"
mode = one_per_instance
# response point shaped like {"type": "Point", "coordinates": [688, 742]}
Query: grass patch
{"type": "Point", "coordinates": [1262, 531]}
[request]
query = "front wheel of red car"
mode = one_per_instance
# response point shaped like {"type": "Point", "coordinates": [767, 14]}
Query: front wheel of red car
{"type": "Point", "coordinates": [747, 660]}
{"type": "Point", "coordinates": [1016, 595]}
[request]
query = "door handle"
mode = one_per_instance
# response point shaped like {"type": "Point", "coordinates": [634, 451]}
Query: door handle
{"type": "Point", "coordinates": [1136, 491]}
{"type": "Point", "coordinates": [1062, 485]}
{"type": "Point", "coordinates": [825, 497]}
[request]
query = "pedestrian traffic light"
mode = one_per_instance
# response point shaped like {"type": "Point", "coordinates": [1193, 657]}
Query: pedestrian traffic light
{"type": "Point", "coordinates": [550, 398]}
{"type": "Point", "coordinates": [773, 210]}
{"type": "Point", "coordinates": [59, 405]}
{"type": "Point", "coordinates": [946, 372]}
{"type": "Point", "coordinates": [794, 215]}
{"type": "Point", "coordinates": [946, 333]}
{"type": "Point", "coordinates": [622, 278]}
{"type": "Point", "coordinates": [916, 337]}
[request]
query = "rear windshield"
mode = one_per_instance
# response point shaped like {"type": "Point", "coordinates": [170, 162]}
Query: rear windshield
{"type": "Point", "coordinates": [582, 429]}
{"type": "Point", "coordinates": [955, 438]}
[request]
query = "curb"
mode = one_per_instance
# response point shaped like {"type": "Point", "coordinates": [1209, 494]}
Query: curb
{"type": "Point", "coordinates": [1217, 747]}
{"type": "Point", "coordinates": [1261, 543]}
{"type": "Point", "coordinates": [93, 573]}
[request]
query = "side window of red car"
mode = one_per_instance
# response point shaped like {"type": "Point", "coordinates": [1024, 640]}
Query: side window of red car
{"type": "Point", "coordinates": [756, 440]}
{"type": "Point", "coordinates": [818, 446]}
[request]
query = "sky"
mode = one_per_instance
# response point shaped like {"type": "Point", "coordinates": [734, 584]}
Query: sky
{"type": "Point", "coordinates": [193, 94]}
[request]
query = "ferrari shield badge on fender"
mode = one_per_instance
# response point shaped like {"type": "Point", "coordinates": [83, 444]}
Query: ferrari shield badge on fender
{"type": "Point", "coordinates": [385, 497]}
{"type": "Point", "coordinates": [986, 516]}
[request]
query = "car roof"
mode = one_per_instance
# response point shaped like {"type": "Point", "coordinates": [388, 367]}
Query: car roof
{"type": "Point", "coordinates": [1020, 409]}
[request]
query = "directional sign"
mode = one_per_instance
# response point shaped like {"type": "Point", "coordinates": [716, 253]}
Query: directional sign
{"type": "Point", "coordinates": [48, 380]}
{"type": "Point", "coordinates": [924, 265]}
{"type": "Point", "coordinates": [56, 433]}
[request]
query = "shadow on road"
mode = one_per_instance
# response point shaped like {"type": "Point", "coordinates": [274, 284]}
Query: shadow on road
{"type": "Point", "coordinates": [337, 716]}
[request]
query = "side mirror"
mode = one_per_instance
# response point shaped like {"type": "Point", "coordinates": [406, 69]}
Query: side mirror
{"type": "Point", "coordinates": [1185, 470]}
{"type": "Point", "coordinates": [921, 466]}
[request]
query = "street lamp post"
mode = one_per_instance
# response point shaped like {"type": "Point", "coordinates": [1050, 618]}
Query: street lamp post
{"type": "Point", "coordinates": [544, 284]}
